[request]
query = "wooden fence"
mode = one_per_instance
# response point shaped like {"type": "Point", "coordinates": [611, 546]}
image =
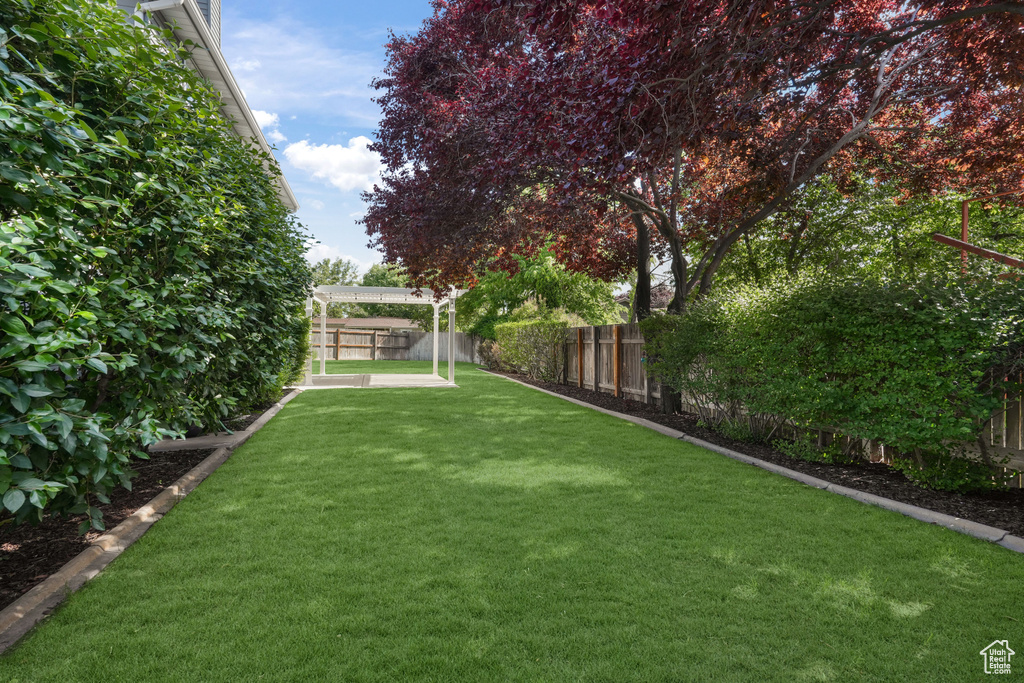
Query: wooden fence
{"type": "Point", "coordinates": [374, 345]}
{"type": "Point", "coordinates": [613, 354]}
{"type": "Point", "coordinates": [609, 359]}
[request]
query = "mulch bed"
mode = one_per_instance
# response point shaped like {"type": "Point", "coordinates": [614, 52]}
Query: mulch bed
{"type": "Point", "coordinates": [1003, 509]}
{"type": "Point", "coordinates": [29, 554]}
{"type": "Point", "coordinates": [242, 422]}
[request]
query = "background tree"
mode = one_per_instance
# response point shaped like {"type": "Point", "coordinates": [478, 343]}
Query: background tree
{"type": "Point", "coordinates": [392, 275]}
{"type": "Point", "coordinates": [702, 119]}
{"type": "Point", "coordinates": [340, 271]}
{"type": "Point", "coordinates": [535, 288]}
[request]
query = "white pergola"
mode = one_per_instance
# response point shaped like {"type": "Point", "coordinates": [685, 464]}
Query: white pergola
{"type": "Point", "coordinates": [327, 294]}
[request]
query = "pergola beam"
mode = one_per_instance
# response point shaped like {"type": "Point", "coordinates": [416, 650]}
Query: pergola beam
{"type": "Point", "coordinates": [328, 294]}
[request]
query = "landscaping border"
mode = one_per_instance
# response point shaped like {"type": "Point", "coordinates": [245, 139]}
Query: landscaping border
{"type": "Point", "coordinates": [963, 526]}
{"type": "Point", "coordinates": [23, 614]}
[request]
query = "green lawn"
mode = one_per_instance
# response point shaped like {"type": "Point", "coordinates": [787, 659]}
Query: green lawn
{"type": "Point", "coordinates": [493, 533]}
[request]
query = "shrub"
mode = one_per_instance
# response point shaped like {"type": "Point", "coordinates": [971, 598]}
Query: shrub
{"type": "Point", "coordinates": [533, 347]}
{"type": "Point", "coordinates": [150, 277]}
{"type": "Point", "coordinates": [915, 365]}
{"type": "Point", "coordinates": [490, 353]}
{"type": "Point", "coordinates": [944, 472]}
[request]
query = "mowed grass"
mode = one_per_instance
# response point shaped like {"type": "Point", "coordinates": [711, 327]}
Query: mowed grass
{"type": "Point", "coordinates": [493, 533]}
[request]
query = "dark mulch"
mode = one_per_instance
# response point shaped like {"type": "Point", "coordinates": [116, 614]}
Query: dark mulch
{"type": "Point", "coordinates": [240, 423]}
{"type": "Point", "coordinates": [29, 554]}
{"type": "Point", "coordinates": [1003, 509]}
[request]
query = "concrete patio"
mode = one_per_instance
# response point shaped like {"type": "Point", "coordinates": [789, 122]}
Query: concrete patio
{"type": "Point", "coordinates": [395, 381]}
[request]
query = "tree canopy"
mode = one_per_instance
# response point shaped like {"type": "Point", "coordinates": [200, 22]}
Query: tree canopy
{"type": "Point", "coordinates": [591, 123]}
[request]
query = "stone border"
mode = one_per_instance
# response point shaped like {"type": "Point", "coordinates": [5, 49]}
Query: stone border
{"type": "Point", "coordinates": [23, 614]}
{"type": "Point", "coordinates": [963, 526]}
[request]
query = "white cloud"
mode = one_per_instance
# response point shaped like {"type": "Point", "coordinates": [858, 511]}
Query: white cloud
{"type": "Point", "coordinates": [351, 167]}
{"type": "Point", "coordinates": [316, 204]}
{"type": "Point", "coordinates": [301, 71]}
{"type": "Point", "coordinates": [248, 65]}
{"type": "Point", "coordinates": [269, 120]}
{"type": "Point", "coordinates": [318, 252]}
{"type": "Point", "coordinates": [266, 118]}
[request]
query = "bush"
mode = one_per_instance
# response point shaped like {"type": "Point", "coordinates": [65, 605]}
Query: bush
{"type": "Point", "coordinates": [490, 353]}
{"type": "Point", "coordinates": [533, 347]}
{"type": "Point", "coordinates": [915, 365]}
{"type": "Point", "coordinates": [944, 472]}
{"type": "Point", "coordinates": [150, 277]}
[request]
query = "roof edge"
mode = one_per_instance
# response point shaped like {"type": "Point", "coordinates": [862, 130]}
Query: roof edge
{"type": "Point", "coordinates": [194, 28]}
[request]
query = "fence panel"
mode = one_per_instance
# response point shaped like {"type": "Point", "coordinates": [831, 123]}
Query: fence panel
{"type": "Point", "coordinates": [421, 347]}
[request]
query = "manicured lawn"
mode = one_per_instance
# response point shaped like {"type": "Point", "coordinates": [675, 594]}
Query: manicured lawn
{"type": "Point", "coordinates": [492, 533]}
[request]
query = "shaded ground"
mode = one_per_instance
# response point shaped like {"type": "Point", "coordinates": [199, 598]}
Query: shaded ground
{"type": "Point", "coordinates": [495, 533]}
{"type": "Point", "coordinates": [29, 554]}
{"type": "Point", "coordinates": [1001, 509]}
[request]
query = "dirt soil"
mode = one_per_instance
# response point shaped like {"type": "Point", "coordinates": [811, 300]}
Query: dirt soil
{"type": "Point", "coordinates": [29, 554]}
{"type": "Point", "coordinates": [242, 422]}
{"type": "Point", "coordinates": [1003, 509]}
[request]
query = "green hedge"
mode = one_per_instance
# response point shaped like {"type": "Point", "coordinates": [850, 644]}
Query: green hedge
{"type": "Point", "coordinates": [150, 278]}
{"type": "Point", "coordinates": [917, 366]}
{"type": "Point", "coordinates": [532, 347]}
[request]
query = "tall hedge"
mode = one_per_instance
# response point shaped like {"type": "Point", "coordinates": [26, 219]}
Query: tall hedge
{"type": "Point", "coordinates": [917, 365]}
{"type": "Point", "coordinates": [533, 347]}
{"type": "Point", "coordinates": [150, 278]}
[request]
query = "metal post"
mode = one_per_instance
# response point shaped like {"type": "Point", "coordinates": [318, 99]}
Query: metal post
{"type": "Point", "coordinates": [309, 360]}
{"type": "Point", "coordinates": [437, 326]}
{"type": "Point", "coordinates": [323, 338]}
{"type": "Point", "coordinates": [451, 338]}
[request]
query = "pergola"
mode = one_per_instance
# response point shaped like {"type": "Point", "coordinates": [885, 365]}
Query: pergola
{"type": "Point", "coordinates": [327, 294]}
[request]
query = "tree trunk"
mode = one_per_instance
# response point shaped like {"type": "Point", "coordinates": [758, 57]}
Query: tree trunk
{"type": "Point", "coordinates": [642, 292]}
{"type": "Point", "coordinates": [675, 245]}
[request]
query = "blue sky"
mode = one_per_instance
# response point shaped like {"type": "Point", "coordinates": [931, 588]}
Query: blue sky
{"type": "Point", "coordinates": [305, 67]}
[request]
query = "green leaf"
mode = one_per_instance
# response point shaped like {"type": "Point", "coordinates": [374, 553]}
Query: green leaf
{"type": "Point", "coordinates": [21, 461]}
{"type": "Point", "coordinates": [31, 484]}
{"type": "Point", "coordinates": [97, 365]}
{"type": "Point", "coordinates": [13, 325]}
{"type": "Point", "coordinates": [13, 500]}
{"type": "Point", "coordinates": [88, 131]}
{"type": "Point", "coordinates": [122, 138]}
{"type": "Point", "coordinates": [21, 402]}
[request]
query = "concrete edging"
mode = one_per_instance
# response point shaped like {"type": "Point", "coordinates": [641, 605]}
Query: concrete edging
{"type": "Point", "coordinates": [23, 614]}
{"type": "Point", "coordinates": [963, 526]}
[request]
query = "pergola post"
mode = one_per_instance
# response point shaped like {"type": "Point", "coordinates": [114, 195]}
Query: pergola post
{"type": "Point", "coordinates": [309, 359]}
{"type": "Point", "coordinates": [451, 337]}
{"type": "Point", "coordinates": [437, 327]}
{"type": "Point", "coordinates": [323, 338]}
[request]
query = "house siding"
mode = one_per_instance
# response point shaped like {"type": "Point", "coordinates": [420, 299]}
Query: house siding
{"type": "Point", "coordinates": [211, 10]}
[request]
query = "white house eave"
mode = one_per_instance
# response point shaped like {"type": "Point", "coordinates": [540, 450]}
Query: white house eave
{"type": "Point", "coordinates": [189, 24]}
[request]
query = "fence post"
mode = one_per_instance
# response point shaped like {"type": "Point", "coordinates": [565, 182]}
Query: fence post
{"type": "Point", "coordinates": [373, 345]}
{"type": "Point", "coordinates": [579, 356]}
{"type": "Point", "coordinates": [617, 360]}
{"type": "Point", "coordinates": [565, 360]}
{"type": "Point", "coordinates": [337, 344]}
{"type": "Point", "coordinates": [597, 357]}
